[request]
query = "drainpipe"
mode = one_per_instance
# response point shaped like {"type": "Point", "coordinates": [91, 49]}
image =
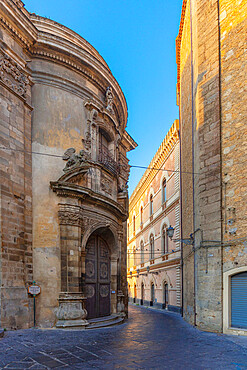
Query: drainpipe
{"type": "Point", "coordinates": [193, 159]}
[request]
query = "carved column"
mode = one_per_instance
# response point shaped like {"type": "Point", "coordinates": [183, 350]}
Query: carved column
{"type": "Point", "coordinates": [71, 311]}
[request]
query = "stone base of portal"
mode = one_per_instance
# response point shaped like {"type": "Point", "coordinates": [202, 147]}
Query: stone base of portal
{"type": "Point", "coordinates": [71, 313]}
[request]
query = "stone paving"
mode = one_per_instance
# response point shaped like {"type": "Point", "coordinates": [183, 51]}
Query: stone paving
{"type": "Point", "coordinates": [148, 340]}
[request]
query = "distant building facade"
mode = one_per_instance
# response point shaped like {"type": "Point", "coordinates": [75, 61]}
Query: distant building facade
{"type": "Point", "coordinates": [64, 206]}
{"type": "Point", "coordinates": [154, 264]}
{"type": "Point", "coordinates": [212, 99]}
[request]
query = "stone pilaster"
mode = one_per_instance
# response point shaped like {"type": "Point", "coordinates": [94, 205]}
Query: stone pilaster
{"type": "Point", "coordinates": [71, 311]}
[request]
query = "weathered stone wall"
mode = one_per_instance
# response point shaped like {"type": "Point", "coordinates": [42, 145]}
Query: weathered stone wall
{"type": "Point", "coordinates": [217, 116]}
{"type": "Point", "coordinates": [16, 271]}
{"type": "Point", "coordinates": [203, 116]}
{"type": "Point", "coordinates": [207, 185]}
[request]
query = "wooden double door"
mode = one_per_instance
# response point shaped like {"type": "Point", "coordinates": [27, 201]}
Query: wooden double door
{"type": "Point", "coordinates": [97, 277]}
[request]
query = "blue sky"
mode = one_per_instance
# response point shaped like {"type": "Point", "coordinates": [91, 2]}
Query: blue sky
{"type": "Point", "coordinates": [137, 40]}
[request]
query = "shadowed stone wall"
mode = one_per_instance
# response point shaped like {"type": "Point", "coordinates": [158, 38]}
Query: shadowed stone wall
{"type": "Point", "coordinates": [216, 121]}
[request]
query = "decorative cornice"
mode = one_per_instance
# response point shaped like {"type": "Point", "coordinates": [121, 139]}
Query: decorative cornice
{"type": "Point", "coordinates": [128, 142]}
{"type": "Point", "coordinates": [14, 31]}
{"type": "Point", "coordinates": [178, 43]}
{"type": "Point", "coordinates": [51, 29]}
{"type": "Point", "coordinates": [54, 36]}
{"type": "Point", "coordinates": [72, 64]}
{"type": "Point", "coordinates": [76, 191]}
{"type": "Point", "coordinates": [15, 18]}
{"type": "Point", "coordinates": [168, 144]}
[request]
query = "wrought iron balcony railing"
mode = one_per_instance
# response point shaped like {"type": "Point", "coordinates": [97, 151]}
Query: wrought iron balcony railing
{"type": "Point", "coordinates": [106, 158]}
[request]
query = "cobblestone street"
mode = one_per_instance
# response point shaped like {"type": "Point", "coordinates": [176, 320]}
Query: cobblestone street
{"type": "Point", "coordinates": [148, 340]}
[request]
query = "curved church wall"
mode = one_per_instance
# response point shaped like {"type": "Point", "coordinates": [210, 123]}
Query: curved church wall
{"type": "Point", "coordinates": [79, 172]}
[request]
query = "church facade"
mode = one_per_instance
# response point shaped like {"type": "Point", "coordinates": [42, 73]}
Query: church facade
{"type": "Point", "coordinates": [64, 201]}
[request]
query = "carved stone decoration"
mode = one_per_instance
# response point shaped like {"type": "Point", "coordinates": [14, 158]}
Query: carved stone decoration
{"type": "Point", "coordinates": [12, 76]}
{"type": "Point", "coordinates": [106, 185]}
{"type": "Point", "coordinates": [87, 142]}
{"type": "Point", "coordinates": [71, 312]}
{"type": "Point", "coordinates": [69, 215]}
{"type": "Point", "coordinates": [124, 167]}
{"type": "Point", "coordinates": [73, 159]}
{"type": "Point", "coordinates": [109, 99]}
{"type": "Point", "coordinates": [123, 189]}
{"type": "Point", "coordinates": [69, 218]}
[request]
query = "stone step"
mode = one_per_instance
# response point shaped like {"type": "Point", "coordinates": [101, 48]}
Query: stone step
{"type": "Point", "coordinates": [102, 322]}
{"type": "Point", "coordinates": [104, 318]}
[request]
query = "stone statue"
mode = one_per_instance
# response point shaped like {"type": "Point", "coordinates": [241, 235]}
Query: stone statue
{"type": "Point", "coordinates": [109, 99]}
{"type": "Point", "coordinates": [124, 188]}
{"type": "Point", "coordinates": [74, 159]}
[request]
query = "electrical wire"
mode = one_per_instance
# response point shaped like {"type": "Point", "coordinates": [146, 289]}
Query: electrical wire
{"type": "Point", "coordinates": [131, 166]}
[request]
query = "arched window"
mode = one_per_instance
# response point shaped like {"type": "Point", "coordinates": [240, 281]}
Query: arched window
{"type": "Point", "coordinates": [164, 191]}
{"type": "Point", "coordinates": [104, 143]}
{"type": "Point", "coordinates": [142, 293]}
{"type": "Point", "coordinates": [135, 293]}
{"type": "Point", "coordinates": [128, 259]}
{"type": "Point", "coordinates": [134, 225]}
{"type": "Point", "coordinates": [142, 252]}
{"type": "Point", "coordinates": [165, 239]}
{"type": "Point", "coordinates": [134, 256]}
{"type": "Point", "coordinates": [129, 290]}
{"type": "Point", "coordinates": [151, 240]}
{"type": "Point", "coordinates": [165, 295]}
{"type": "Point", "coordinates": [128, 231]}
{"type": "Point", "coordinates": [141, 215]}
{"type": "Point", "coordinates": [151, 205]}
{"type": "Point", "coordinates": [152, 293]}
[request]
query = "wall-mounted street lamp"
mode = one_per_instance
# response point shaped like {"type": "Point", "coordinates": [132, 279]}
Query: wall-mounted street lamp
{"type": "Point", "coordinates": [189, 241]}
{"type": "Point", "coordinates": [138, 272]}
{"type": "Point", "coordinates": [148, 269]}
{"type": "Point", "coordinates": [131, 274]}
